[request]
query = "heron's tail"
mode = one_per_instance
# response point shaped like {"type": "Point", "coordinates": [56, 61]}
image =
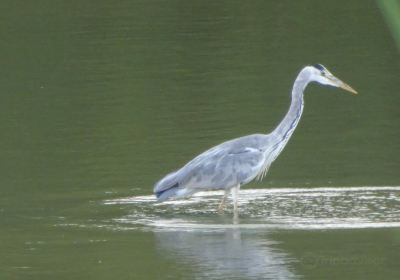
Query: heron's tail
{"type": "Point", "coordinates": [167, 193]}
{"type": "Point", "coordinates": [167, 187]}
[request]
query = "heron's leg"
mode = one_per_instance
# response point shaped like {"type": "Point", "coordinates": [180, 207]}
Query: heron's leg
{"type": "Point", "coordinates": [222, 204]}
{"type": "Point", "coordinates": [235, 193]}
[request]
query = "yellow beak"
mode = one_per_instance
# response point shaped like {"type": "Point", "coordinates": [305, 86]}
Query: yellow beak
{"type": "Point", "coordinates": [347, 88]}
{"type": "Point", "coordinates": [337, 82]}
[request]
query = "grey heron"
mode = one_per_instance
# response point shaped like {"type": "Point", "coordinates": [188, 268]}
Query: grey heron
{"type": "Point", "coordinates": [236, 162]}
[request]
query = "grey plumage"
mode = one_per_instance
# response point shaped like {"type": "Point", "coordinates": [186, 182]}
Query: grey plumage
{"type": "Point", "coordinates": [237, 162]}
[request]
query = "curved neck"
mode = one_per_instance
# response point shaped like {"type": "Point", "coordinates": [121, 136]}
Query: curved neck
{"type": "Point", "coordinates": [287, 126]}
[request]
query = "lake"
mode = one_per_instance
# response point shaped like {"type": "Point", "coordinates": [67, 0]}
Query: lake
{"type": "Point", "coordinates": [101, 99]}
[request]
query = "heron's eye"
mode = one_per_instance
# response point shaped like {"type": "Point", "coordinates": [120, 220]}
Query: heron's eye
{"type": "Point", "coordinates": [323, 73]}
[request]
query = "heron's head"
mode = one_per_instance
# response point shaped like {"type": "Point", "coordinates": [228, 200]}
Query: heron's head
{"type": "Point", "coordinates": [321, 75]}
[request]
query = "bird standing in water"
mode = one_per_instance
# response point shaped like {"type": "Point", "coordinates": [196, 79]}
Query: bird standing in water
{"type": "Point", "coordinates": [236, 162]}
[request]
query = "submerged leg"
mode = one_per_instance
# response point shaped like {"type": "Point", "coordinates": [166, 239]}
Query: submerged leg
{"type": "Point", "coordinates": [222, 204]}
{"type": "Point", "coordinates": [235, 193]}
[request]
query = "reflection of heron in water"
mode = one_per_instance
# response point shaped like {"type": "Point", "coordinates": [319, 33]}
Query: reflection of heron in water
{"type": "Point", "coordinates": [237, 162]}
{"type": "Point", "coordinates": [228, 254]}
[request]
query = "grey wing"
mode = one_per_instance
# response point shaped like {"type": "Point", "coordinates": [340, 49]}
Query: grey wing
{"type": "Point", "coordinates": [223, 168]}
{"type": "Point", "coordinates": [234, 162]}
{"type": "Point", "coordinates": [186, 173]}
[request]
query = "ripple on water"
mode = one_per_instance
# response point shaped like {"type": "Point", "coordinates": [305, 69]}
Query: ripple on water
{"type": "Point", "coordinates": [285, 208]}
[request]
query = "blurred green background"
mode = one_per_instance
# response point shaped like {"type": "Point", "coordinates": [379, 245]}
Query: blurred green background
{"type": "Point", "coordinates": [101, 98]}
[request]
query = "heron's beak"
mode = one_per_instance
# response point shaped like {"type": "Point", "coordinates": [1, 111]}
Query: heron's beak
{"type": "Point", "coordinates": [343, 85]}
{"type": "Point", "coordinates": [347, 88]}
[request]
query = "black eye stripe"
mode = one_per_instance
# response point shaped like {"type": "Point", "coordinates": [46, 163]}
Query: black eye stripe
{"type": "Point", "coordinates": [319, 67]}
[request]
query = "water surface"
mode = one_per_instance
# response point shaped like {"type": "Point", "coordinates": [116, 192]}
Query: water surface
{"type": "Point", "coordinates": [100, 99]}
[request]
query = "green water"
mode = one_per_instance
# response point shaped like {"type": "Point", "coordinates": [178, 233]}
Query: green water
{"type": "Point", "coordinates": [100, 99]}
